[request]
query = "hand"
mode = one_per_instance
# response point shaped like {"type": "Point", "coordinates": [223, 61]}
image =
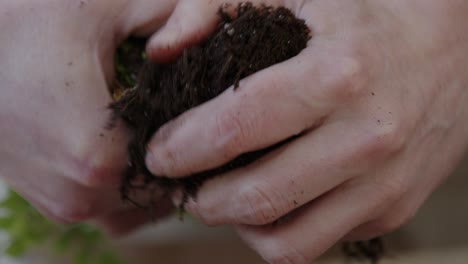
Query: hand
{"type": "Point", "coordinates": [380, 97]}
{"type": "Point", "coordinates": [56, 64]}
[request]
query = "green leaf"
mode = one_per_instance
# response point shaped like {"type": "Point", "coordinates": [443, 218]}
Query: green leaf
{"type": "Point", "coordinates": [90, 235]}
{"type": "Point", "coordinates": [39, 232]}
{"type": "Point", "coordinates": [14, 201]}
{"type": "Point", "coordinates": [16, 248]}
{"type": "Point", "coordinates": [18, 228]}
{"type": "Point", "coordinates": [109, 258]}
{"type": "Point", "coordinates": [6, 222]}
{"type": "Point", "coordinates": [64, 241]}
{"type": "Point", "coordinates": [83, 258]}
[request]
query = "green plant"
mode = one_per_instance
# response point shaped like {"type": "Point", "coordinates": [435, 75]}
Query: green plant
{"type": "Point", "coordinates": [26, 229]}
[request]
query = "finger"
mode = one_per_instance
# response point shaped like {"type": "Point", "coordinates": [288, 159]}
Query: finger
{"type": "Point", "coordinates": [123, 222]}
{"type": "Point", "coordinates": [367, 231]}
{"type": "Point", "coordinates": [412, 192]}
{"type": "Point", "coordinates": [395, 217]}
{"type": "Point", "coordinates": [289, 177]}
{"type": "Point", "coordinates": [405, 207]}
{"type": "Point", "coordinates": [312, 230]}
{"type": "Point", "coordinates": [268, 107]}
{"type": "Point", "coordinates": [191, 22]}
{"type": "Point", "coordinates": [146, 17]}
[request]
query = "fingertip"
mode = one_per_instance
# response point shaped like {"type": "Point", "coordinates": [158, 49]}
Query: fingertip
{"type": "Point", "coordinates": [190, 23]}
{"type": "Point", "coordinates": [164, 45]}
{"type": "Point", "coordinates": [152, 164]}
{"type": "Point", "coordinates": [209, 205]}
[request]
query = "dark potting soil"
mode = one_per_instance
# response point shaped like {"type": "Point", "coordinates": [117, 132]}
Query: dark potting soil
{"type": "Point", "coordinates": [150, 94]}
{"type": "Point", "coordinates": [245, 42]}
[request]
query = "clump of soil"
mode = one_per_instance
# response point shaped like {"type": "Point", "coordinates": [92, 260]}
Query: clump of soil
{"type": "Point", "coordinates": [246, 41]}
{"type": "Point", "coordinates": [148, 94]}
{"type": "Point", "coordinates": [371, 250]}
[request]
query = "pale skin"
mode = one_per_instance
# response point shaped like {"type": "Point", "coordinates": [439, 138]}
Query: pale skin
{"type": "Point", "coordinates": [379, 97]}
{"type": "Point", "coordinates": [382, 84]}
{"type": "Point", "coordinates": [56, 64]}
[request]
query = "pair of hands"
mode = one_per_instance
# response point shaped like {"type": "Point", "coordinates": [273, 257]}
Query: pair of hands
{"type": "Point", "coordinates": [380, 93]}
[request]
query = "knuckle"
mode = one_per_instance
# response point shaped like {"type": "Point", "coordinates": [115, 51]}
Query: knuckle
{"type": "Point", "coordinates": [347, 79]}
{"type": "Point", "coordinates": [383, 140]}
{"type": "Point", "coordinates": [93, 161]}
{"type": "Point", "coordinates": [394, 187]}
{"type": "Point", "coordinates": [256, 207]}
{"type": "Point", "coordinates": [389, 191]}
{"type": "Point", "coordinates": [91, 173]}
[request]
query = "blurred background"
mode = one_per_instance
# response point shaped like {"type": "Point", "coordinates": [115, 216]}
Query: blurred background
{"type": "Point", "coordinates": [438, 234]}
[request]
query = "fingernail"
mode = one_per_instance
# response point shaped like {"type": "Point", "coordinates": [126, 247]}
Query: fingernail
{"type": "Point", "coordinates": [152, 163]}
